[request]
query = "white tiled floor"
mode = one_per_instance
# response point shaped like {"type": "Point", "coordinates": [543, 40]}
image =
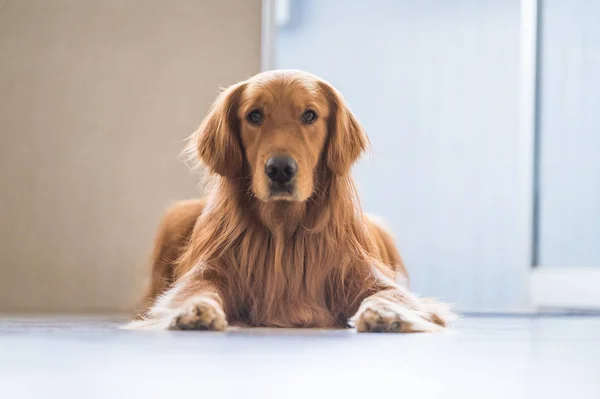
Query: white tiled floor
{"type": "Point", "coordinates": [504, 357]}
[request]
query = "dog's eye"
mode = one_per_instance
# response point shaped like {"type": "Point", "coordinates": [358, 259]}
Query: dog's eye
{"type": "Point", "coordinates": [309, 116]}
{"type": "Point", "coordinates": [255, 117]}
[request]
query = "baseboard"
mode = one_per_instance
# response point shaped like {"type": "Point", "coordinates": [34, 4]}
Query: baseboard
{"type": "Point", "coordinates": [565, 287]}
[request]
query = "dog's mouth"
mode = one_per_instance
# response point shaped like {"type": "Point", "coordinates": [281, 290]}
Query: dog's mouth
{"type": "Point", "coordinates": [282, 191]}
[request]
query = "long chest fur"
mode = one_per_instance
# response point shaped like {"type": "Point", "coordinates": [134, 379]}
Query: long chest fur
{"type": "Point", "coordinates": [286, 280]}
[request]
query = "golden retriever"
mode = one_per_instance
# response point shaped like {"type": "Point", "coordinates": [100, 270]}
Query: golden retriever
{"type": "Point", "coordinates": [280, 239]}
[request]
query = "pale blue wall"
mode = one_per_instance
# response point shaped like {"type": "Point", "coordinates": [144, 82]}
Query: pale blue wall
{"type": "Point", "coordinates": [435, 83]}
{"type": "Point", "coordinates": [570, 134]}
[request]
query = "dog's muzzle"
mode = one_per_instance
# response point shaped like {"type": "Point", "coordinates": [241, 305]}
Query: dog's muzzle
{"type": "Point", "coordinates": [281, 171]}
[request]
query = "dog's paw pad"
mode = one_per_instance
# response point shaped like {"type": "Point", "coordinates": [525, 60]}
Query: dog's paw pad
{"type": "Point", "coordinates": [378, 320]}
{"type": "Point", "coordinates": [383, 319]}
{"type": "Point", "coordinates": [202, 314]}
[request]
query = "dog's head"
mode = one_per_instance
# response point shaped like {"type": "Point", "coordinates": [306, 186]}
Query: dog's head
{"type": "Point", "coordinates": [277, 128]}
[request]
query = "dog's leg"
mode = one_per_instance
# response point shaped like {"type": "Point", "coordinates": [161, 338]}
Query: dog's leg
{"type": "Point", "coordinates": [192, 304]}
{"type": "Point", "coordinates": [395, 309]}
{"type": "Point", "coordinates": [172, 237]}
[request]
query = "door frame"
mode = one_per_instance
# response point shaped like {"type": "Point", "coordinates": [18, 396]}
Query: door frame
{"type": "Point", "coordinates": [268, 34]}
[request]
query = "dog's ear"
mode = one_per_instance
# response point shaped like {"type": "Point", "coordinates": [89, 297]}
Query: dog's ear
{"type": "Point", "coordinates": [347, 139]}
{"type": "Point", "coordinates": [217, 142]}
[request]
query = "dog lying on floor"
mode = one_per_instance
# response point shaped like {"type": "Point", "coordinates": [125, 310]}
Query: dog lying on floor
{"type": "Point", "coordinates": [280, 239]}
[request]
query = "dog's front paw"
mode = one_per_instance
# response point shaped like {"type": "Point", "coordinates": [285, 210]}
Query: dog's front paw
{"type": "Point", "coordinates": [200, 314]}
{"type": "Point", "coordinates": [391, 318]}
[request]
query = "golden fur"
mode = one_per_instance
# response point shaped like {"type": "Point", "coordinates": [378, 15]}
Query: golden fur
{"type": "Point", "coordinates": [245, 256]}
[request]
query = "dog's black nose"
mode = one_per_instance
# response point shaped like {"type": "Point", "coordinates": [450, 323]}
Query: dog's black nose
{"type": "Point", "coordinates": [281, 169]}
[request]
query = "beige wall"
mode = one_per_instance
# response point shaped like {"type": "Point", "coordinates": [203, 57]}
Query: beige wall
{"type": "Point", "coordinates": [95, 98]}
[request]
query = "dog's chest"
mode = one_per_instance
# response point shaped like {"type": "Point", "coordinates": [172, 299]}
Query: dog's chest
{"type": "Point", "coordinates": [284, 283]}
